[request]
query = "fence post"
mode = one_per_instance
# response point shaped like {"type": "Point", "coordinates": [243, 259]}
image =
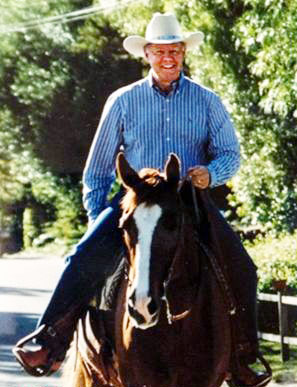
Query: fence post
{"type": "Point", "coordinates": [283, 326]}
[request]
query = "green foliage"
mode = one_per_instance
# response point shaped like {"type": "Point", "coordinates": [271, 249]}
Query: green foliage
{"type": "Point", "coordinates": [9, 147]}
{"type": "Point", "coordinates": [30, 228]}
{"type": "Point", "coordinates": [249, 50]}
{"type": "Point", "coordinates": [70, 221]}
{"type": "Point", "coordinates": [55, 79]}
{"type": "Point", "coordinates": [52, 204]}
{"type": "Point", "coordinates": [61, 201]}
{"type": "Point", "coordinates": [276, 259]}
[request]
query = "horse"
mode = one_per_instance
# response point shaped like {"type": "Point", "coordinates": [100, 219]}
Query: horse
{"type": "Point", "coordinates": [169, 325]}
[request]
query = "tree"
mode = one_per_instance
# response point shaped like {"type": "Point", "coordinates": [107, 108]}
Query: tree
{"type": "Point", "coordinates": [54, 81]}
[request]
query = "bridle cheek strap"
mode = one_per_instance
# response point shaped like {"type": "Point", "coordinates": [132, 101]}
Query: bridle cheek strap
{"type": "Point", "coordinates": [170, 317]}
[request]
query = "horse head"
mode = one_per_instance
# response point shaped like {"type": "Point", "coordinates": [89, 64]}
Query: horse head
{"type": "Point", "coordinates": [151, 222]}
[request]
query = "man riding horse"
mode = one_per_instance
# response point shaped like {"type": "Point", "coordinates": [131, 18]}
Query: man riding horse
{"type": "Point", "coordinates": [162, 113]}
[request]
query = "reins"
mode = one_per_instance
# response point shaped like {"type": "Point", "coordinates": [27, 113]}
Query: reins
{"type": "Point", "coordinates": [221, 278]}
{"type": "Point", "coordinates": [229, 299]}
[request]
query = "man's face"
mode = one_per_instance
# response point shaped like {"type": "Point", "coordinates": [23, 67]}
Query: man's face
{"type": "Point", "coordinates": [166, 60]}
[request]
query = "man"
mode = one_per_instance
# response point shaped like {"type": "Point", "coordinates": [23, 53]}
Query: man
{"type": "Point", "coordinates": [162, 113]}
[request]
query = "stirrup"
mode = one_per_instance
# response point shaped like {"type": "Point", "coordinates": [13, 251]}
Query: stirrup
{"type": "Point", "coordinates": [265, 364]}
{"type": "Point", "coordinates": [42, 370]}
{"type": "Point", "coordinates": [262, 383]}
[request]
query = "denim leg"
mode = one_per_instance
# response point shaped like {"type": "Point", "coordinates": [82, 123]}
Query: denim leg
{"type": "Point", "coordinates": [88, 266]}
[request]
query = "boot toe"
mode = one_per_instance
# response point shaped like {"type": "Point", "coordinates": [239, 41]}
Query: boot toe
{"type": "Point", "coordinates": [37, 362]}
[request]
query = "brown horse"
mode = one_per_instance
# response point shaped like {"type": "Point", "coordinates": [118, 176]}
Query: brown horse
{"type": "Point", "coordinates": [170, 326]}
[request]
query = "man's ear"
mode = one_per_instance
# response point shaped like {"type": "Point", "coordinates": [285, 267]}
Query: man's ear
{"type": "Point", "coordinates": [145, 54]}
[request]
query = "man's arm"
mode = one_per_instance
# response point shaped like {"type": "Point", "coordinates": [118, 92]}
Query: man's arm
{"type": "Point", "coordinates": [223, 147]}
{"type": "Point", "coordinates": [99, 170]}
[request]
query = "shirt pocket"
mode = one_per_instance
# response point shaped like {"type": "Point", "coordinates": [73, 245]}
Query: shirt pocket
{"type": "Point", "coordinates": [135, 132]}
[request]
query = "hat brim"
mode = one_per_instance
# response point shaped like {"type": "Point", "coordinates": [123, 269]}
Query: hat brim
{"type": "Point", "coordinates": [135, 44]}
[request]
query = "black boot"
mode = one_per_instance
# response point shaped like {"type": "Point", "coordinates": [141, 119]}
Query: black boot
{"type": "Point", "coordinates": [54, 340]}
{"type": "Point", "coordinates": [47, 359]}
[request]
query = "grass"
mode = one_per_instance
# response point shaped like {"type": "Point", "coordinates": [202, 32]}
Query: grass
{"type": "Point", "coordinates": [283, 372]}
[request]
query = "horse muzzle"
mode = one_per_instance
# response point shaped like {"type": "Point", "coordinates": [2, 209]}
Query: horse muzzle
{"type": "Point", "coordinates": [143, 311]}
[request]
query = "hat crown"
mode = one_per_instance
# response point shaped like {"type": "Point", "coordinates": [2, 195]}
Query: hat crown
{"type": "Point", "coordinates": [163, 27]}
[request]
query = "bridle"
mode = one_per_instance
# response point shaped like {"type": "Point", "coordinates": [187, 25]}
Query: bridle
{"type": "Point", "coordinates": [221, 278]}
{"type": "Point", "coordinates": [171, 318]}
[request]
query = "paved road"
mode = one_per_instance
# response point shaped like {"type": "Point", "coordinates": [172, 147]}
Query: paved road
{"type": "Point", "coordinates": [25, 287]}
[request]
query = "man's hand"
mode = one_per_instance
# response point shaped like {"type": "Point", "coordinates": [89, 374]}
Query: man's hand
{"type": "Point", "coordinates": [200, 176]}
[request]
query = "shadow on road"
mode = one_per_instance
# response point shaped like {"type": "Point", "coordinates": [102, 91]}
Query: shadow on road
{"type": "Point", "coordinates": [13, 291]}
{"type": "Point", "coordinates": [14, 326]}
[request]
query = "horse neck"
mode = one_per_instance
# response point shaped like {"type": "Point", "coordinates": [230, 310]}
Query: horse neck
{"type": "Point", "coordinates": [184, 277]}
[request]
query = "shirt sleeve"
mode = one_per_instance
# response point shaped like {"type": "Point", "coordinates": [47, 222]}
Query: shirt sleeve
{"type": "Point", "coordinates": [223, 146]}
{"type": "Point", "coordinates": [99, 172]}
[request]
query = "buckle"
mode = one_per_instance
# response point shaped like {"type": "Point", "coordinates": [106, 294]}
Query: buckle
{"type": "Point", "coordinates": [51, 331]}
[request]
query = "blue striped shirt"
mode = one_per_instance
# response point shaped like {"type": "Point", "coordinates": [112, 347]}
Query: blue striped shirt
{"type": "Point", "coordinates": [148, 125]}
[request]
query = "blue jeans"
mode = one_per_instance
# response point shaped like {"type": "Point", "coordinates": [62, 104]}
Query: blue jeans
{"type": "Point", "coordinates": [93, 259]}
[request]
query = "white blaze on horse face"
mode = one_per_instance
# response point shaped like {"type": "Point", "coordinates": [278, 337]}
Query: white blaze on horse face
{"type": "Point", "coordinates": [146, 219]}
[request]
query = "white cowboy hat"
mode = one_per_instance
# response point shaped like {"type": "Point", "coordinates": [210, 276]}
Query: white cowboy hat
{"type": "Point", "coordinates": [162, 29]}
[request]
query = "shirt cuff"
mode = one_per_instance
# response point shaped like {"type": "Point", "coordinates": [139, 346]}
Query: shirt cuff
{"type": "Point", "coordinates": [213, 177]}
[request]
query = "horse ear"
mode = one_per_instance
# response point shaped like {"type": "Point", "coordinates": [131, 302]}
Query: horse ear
{"type": "Point", "coordinates": [126, 173]}
{"type": "Point", "coordinates": [172, 169]}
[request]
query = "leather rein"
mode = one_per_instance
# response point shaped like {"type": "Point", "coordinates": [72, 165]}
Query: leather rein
{"type": "Point", "coordinates": [228, 296]}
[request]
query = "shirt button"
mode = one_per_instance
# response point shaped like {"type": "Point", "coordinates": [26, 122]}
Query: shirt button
{"type": "Point", "coordinates": [167, 119]}
{"type": "Point", "coordinates": [168, 139]}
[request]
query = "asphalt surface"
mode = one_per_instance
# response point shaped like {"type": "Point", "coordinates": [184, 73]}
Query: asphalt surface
{"type": "Point", "coordinates": [25, 287]}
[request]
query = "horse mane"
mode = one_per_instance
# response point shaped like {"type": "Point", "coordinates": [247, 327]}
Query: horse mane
{"type": "Point", "coordinates": [152, 184]}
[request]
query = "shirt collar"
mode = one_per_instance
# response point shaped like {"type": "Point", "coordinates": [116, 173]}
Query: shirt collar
{"type": "Point", "coordinates": [175, 84]}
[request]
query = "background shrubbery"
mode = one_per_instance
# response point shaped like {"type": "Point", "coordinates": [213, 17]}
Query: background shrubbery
{"type": "Point", "coordinates": [276, 259]}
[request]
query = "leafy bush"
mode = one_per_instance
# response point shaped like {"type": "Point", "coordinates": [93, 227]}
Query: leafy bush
{"type": "Point", "coordinates": [276, 259]}
{"type": "Point", "coordinates": [61, 199]}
